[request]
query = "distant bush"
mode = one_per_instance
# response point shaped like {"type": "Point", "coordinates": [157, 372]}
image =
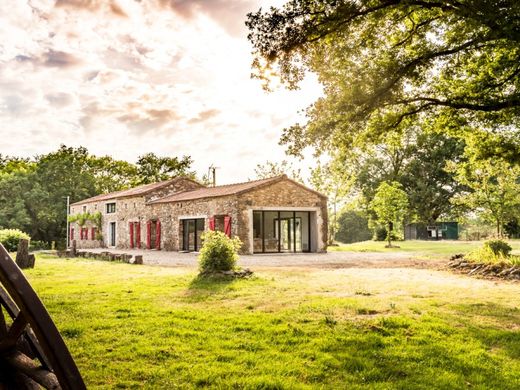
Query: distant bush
{"type": "Point", "coordinates": [9, 238]}
{"type": "Point", "coordinates": [218, 253]}
{"type": "Point", "coordinates": [380, 234]}
{"type": "Point", "coordinates": [353, 227]}
{"type": "Point", "coordinates": [498, 246]}
{"type": "Point", "coordinates": [36, 245]}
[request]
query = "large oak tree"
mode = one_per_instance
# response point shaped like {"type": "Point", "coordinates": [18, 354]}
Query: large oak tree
{"type": "Point", "coordinates": [385, 64]}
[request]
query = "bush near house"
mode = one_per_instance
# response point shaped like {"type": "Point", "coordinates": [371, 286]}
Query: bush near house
{"type": "Point", "coordinates": [9, 238]}
{"type": "Point", "coordinates": [218, 253]}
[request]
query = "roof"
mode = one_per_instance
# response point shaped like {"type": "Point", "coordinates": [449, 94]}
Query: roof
{"type": "Point", "coordinates": [225, 190]}
{"type": "Point", "coordinates": [136, 191]}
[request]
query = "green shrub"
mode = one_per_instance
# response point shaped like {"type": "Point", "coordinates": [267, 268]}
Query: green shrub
{"type": "Point", "coordinates": [498, 246]}
{"type": "Point", "coordinates": [10, 237]}
{"type": "Point", "coordinates": [218, 253]}
{"type": "Point", "coordinates": [36, 245]}
{"type": "Point", "coordinates": [494, 251]}
{"type": "Point", "coordinates": [380, 234]}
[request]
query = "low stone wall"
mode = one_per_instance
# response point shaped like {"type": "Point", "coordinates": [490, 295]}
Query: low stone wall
{"type": "Point", "coordinates": [107, 256]}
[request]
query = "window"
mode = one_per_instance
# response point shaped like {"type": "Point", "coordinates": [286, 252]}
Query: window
{"type": "Point", "coordinates": [111, 208]}
{"type": "Point", "coordinates": [84, 209]}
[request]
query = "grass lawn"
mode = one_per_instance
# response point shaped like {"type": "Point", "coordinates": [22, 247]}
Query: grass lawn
{"type": "Point", "coordinates": [420, 249]}
{"type": "Point", "coordinates": [161, 328]}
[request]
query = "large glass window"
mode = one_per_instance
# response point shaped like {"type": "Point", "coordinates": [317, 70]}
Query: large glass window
{"type": "Point", "coordinates": [281, 231]}
{"type": "Point", "coordinates": [302, 231]}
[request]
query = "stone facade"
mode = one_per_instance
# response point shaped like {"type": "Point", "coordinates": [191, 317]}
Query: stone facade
{"type": "Point", "coordinates": [127, 209]}
{"type": "Point", "coordinates": [202, 203]}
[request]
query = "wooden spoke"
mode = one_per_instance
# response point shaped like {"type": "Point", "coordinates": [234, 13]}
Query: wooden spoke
{"type": "Point", "coordinates": [32, 334]}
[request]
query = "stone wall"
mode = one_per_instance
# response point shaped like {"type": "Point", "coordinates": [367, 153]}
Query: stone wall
{"type": "Point", "coordinates": [172, 214]}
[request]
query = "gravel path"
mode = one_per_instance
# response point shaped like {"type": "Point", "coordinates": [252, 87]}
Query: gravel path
{"type": "Point", "coordinates": [305, 260]}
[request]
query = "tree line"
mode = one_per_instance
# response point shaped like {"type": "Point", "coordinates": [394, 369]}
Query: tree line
{"type": "Point", "coordinates": [33, 191]}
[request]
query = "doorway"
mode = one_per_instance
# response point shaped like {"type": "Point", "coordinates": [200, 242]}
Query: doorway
{"type": "Point", "coordinates": [112, 234]}
{"type": "Point", "coordinates": [192, 230]}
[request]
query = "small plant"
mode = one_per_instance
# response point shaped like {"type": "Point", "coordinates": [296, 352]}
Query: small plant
{"type": "Point", "coordinates": [498, 246]}
{"type": "Point", "coordinates": [10, 237]}
{"type": "Point", "coordinates": [493, 252]}
{"type": "Point", "coordinates": [218, 253]}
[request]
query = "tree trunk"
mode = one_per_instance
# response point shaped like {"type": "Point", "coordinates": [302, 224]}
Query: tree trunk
{"type": "Point", "coordinates": [23, 259]}
{"type": "Point", "coordinates": [389, 234]}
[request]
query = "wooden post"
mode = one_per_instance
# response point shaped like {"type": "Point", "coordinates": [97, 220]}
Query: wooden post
{"type": "Point", "coordinates": [74, 250]}
{"type": "Point", "coordinates": [23, 259]}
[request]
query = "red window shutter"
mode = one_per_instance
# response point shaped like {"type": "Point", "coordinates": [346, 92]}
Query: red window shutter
{"type": "Point", "coordinates": [148, 234]}
{"type": "Point", "coordinates": [131, 227]}
{"type": "Point", "coordinates": [158, 235]}
{"type": "Point", "coordinates": [93, 232]}
{"type": "Point", "coordinates": [138, 234]}
{"type": "Point", "coordinates": [227, 225]}
{"type": "Point", "coordinates": [212, 223]}
{"type": "Point", "coordinates": [72, 233]}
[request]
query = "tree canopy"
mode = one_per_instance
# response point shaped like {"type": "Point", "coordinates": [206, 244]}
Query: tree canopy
{"type": "Point", "coordinates": [385, 64]}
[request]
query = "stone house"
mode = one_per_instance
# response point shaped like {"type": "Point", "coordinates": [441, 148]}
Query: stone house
{"type": "Point", "coordinates": [269, 216]}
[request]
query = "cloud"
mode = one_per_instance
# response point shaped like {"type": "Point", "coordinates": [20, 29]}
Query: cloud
{"type": "Point", "coordinates": [59, 99]}
{"type": "Point", "coordinates": [93, 6]}
{"type": "Point", "coordinates": [50, 58]}
{"type": "Point", "coordinates": [59, 59]}
{"type": "Point", "coordinates": [204, 116]}
{"type": "Point", "coordinates": [229, 14]}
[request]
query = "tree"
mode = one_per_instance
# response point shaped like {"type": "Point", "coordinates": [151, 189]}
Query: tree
{"type": "Point", "coordinates": [390, 205]}
{"type": "Point", "coordinates": [416, 159]}
{"type": "Point", "coordinates": [495, 190]}
{"type": "Point", "coordinates": [353, 227]}
{"type": "Point", "coordinates": [112, 175]}
{"type": "Point", "coordinates": [272, 169]}
{"type": "Point", "coordinates": [152, 168]}
{"type": "Point", "coordinates": [386, 64]}
{"type": "Point", "coordinates": [335, 182]}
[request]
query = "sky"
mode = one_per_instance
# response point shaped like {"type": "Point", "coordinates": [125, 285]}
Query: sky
{"type": "Point", "coordinates": [127, 77]}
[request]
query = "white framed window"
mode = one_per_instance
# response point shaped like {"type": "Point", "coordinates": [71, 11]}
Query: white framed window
{"type": "Point", "coordinates": [111, 208]}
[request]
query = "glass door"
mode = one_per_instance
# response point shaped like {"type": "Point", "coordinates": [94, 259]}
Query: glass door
{"type": "Point", "coordinates": [286, 231]}
{"type": "Point", "coordinates": [192, 234]}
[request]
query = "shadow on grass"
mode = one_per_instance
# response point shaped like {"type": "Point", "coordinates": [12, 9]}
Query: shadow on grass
{"type": "Point", "coordinates": [506, 338]}
{"type": "Point", "coordinates": [203, 287]}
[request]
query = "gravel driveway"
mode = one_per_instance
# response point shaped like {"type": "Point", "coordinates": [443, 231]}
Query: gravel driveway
{"type": "Point", "coordinates": [305, 260]}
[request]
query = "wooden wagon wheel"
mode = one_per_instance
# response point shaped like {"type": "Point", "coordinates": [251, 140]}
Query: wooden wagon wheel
{"type": "Point", "coordinates": [32, 352]}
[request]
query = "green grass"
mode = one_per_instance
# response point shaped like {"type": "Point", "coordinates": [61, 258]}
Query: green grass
{"type": "Point", "coordinates": [162, 328]}
{"type": "Point", "coordinates": [418, 248]}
